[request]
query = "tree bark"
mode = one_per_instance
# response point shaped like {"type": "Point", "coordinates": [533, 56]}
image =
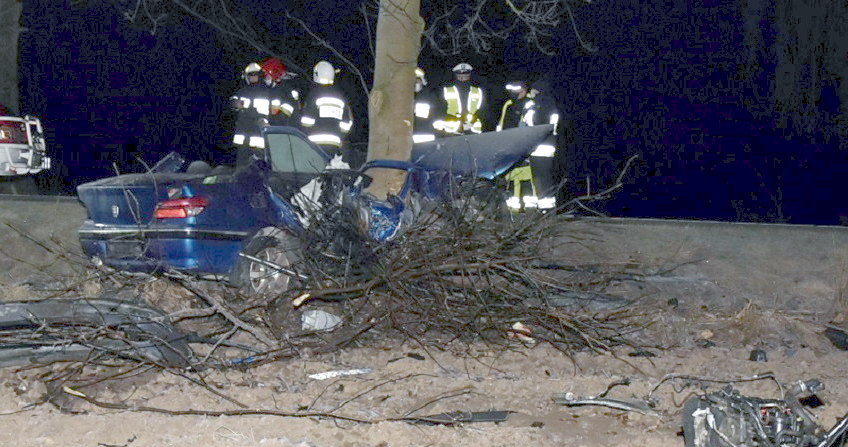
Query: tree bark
{"type": "Point", "coordinates": [10, 28]}
{"type": "Point", "coordinates": [399, 28]}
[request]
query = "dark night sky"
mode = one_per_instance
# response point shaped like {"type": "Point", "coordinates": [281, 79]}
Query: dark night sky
{"type": "Point", "coordinates": [664, 84]}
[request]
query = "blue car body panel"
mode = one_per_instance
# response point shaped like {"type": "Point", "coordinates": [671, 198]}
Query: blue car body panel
{"type": "Point", "coordinates": [122, 232]}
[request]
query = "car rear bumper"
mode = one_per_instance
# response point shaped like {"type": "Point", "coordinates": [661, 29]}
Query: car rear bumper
{"type": "Point", "coordinates": [151, 249]}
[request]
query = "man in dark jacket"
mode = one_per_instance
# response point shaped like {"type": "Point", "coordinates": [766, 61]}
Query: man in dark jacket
{"type": "Point", "coordinates": [426, 108]}
{"type": "Point", "coordinates": [326, 116]}
{"type": "Point", "coordinates": [542, 159]}
{"type": "Point", "coordinates": [463, 101]}
{"type": "Point", "coordinates": [518, 111]}
{"type": "Point", "coordinates": [285, 97]}
{"type": "Point", "coordinates": [252, 102]}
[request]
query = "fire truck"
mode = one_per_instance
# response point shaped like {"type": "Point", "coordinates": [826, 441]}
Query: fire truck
{"type": "Point", "coordinates": [22, 147]}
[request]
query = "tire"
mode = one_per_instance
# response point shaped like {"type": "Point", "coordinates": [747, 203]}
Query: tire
{"type": "Point", "coordinates": [256, 279]}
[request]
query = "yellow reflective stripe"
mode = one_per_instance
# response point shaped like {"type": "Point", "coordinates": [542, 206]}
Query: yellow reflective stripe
{"type": "Point", "coordinates": [451, 95]}
{"type": "Point", "coordinates": [257, 142]}
{"type": "Point", "coordinates": [503, 114]}
{"type": "Point", "coordinates": [513, 203]}
{"type": "Point", "coordinates": [307, 121]}
{"type": "Point", "coordinates": [288, 108]}
{"type": "Point", "coordinates": [325, 138]}
{"type": "Point", "coordinates": [528, 117]}
{"type": "Point", "coordinates": [262, 106]}
{"type": "Point", "coordinates": [238, 138]}
{"type": "Point", "coordinates": [329, 101]}
{"type": "Point", "coordinates": [346, 125]}
{"type": "Point", "coordinates": [422, 138]}
{"type": "Point", "coordinates": [451, 126]}
{"type": "Point", "coordinates": [544, 150]}
{"type": "Point", "coordinates": [475, 99]}
{"type": "Point", "coordinates": [422, 110]}
{"type": "Point", "coordinates": [530, 201]}
{"type": "Point", "coordinates": [547, 202]}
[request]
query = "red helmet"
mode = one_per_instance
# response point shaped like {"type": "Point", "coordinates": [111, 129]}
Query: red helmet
{"type": "Point", "coordinates": [274, 68]}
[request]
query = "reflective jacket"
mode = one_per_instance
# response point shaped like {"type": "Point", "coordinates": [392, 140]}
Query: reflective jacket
{"type": "Point", "coordinates": [516, 113]}
{"type": "Point", "coordinates": [326, 116]}
{"type": "Point", "coordinates": [425, 113]}
{"type": "Point", "coordinates": [547, 112]}
{"type": "Point", "coordinates": [285, 103]}
{"type": "Point", "coordinates": [463, 102]}
{"type": "Point", "coordinates": [253, 112]}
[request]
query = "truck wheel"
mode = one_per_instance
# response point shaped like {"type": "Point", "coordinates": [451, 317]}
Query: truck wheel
{"type": "Point", "coordinates": [255, 274]}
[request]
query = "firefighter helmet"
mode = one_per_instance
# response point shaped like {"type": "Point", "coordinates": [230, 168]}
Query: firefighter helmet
{"type": "Point", "coordinates": [324, 73]}
{"type": "Point", "coordinates": [253, 69]}
{"type": "Point", "coordinates": [274, 68]}
{"type": "Point", "coordinates": [419, 74]}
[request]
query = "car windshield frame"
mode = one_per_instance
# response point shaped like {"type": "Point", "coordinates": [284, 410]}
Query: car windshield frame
{"type": "Point", "coordinates": [291, 154]}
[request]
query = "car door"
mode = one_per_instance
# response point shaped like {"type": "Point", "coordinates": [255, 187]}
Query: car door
{"type": "Point", "coordinates": [294, 161]}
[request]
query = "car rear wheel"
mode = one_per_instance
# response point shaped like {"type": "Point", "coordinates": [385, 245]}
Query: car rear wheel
{"type": "Point", "coordinates": [263, 264]}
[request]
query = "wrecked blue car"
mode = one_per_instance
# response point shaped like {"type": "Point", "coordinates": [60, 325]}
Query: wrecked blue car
{"type": "Point", "coordinates": [243, 224]}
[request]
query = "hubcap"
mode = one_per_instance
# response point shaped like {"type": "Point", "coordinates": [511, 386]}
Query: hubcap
{"type": "Point", "coordinates": [264, 278]}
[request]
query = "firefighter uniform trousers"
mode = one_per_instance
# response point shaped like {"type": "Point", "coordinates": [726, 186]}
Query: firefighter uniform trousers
{"type": "Point", "coordinates": [542, 164]}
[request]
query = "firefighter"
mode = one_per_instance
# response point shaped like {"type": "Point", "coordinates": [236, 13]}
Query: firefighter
{"type": "Point", "coordinates": [425, 110]}
{"type": "Point", "coordinates": [463, 100]}
{"type": "Point", "coordinates": [518, 111]}
{"type": "Point", "coordinates": [284, 95]}
{"type": "Point", "coordinates": [326, 116]}
{"type": "Point", "coordinates": [252, 101]}
{"type": "Point", "coordinates": [542, 158]}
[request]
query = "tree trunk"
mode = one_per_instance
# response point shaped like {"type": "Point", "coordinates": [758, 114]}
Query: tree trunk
{"type": "Point", "coordinates": [10, 28]}
{"type": "Point", "coordinates": [399, 28]}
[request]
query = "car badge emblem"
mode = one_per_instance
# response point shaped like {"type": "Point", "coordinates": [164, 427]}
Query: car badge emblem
{"type": "Point", "coordinates": [115, 210]}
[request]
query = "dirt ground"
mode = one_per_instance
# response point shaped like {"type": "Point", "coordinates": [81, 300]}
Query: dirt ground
{"type": "Point", "coordinates": [739, 286]}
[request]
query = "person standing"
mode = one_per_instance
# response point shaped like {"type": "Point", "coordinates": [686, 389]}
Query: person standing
{"type": "Point", "coordinates": [426, 105]}
{"type": "Point", "coordinates": [252, 103]}
{"type": "Point", "coordinates": [327, 117]}
{"type": "Point", "coordinates": [518, 111]}
{"type": "Point", "coordinates": [463, 101]}
{"type": "Point", "coordinates": [284, 95]}
{"type": "Point", "coordinates": [542, 158]}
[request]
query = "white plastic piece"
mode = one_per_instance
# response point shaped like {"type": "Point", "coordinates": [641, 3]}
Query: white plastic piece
{"type": "Point", "coordinates": [319, 320]}
{"type": "Point", "coordinates": [340, 373]}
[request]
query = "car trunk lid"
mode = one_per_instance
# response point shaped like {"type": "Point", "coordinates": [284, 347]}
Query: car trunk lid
{"type": "Point", "coordinates": [129, 199]}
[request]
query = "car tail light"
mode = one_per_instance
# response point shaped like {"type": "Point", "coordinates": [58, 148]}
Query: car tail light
{"type": "Point", "coordinates": [181, 208]}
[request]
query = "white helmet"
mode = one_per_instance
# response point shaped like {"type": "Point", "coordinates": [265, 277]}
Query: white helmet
{"type": "Point", "coordinates": [253, 69]}
{"type": "Point", "coordinates": [463, 68]}
{"type": "Point", "coordinates": [419, 74]}
{"type": "Point", "coordinates": [324, 73]}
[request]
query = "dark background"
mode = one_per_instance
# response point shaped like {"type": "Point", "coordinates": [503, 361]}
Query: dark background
{"type": "Point", "coordinates": [671, 81]}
